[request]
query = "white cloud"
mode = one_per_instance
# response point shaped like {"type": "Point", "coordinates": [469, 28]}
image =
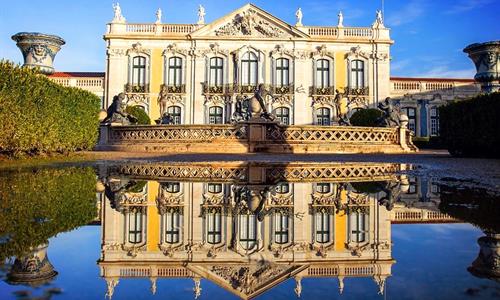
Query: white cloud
{"type": "Point", "coordinates": [466, 5]}
{"type": "Point", "coordinates": [400, 64]}
{"type": "Point", "coordinates": [447, 72]}
{"type": "Point", "coordinates": [409, 13]}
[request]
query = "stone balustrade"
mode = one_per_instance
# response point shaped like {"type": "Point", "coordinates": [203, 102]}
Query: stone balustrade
{"type": "Point", "coordinates": [256, 136]}
{"type": "Point", "coordinates": [405, 215]}
{"type": "Point", "coordinates": [358, 33]}
{"type": "Point", "coordinates": [402, 86]}
{"type": "Point", "coordinates": [90, 84]}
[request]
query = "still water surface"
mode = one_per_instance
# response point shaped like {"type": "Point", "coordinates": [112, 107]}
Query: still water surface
{"type": "Point", "coordinates": [229, 231]}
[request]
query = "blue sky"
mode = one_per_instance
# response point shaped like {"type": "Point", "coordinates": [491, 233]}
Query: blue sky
{"type": "Point", "coordinates": [429, 34]}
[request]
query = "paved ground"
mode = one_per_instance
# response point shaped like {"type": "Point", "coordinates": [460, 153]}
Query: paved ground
{"type": "Point", "coordinates": [483, 173]}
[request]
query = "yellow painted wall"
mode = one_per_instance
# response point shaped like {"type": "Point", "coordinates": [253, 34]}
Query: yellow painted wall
{"type": "Point", "coordinates": [341, 76]}
{"type": "Point", "coordinates": [155, 83]}
{"type": "Point", "coordinates": [153, 225]}
{"type": "Point", "coordinates": [340, 237]}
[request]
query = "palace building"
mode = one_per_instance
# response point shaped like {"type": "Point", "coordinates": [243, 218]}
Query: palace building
{"type": "Point", "coordinates": [315, 73]}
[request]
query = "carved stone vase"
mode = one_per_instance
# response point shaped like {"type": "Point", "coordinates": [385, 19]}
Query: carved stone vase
{"type": "Point", "coordinates": [39, 49]}
{"type": "Point", "coordinates": [486, 58]}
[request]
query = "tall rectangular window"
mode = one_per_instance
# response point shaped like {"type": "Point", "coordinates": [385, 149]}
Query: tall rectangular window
{"type": "Point", "coordinates": [281, 228]}
{"type": "Point", "coordinates": [434, 121]}
{"type": "Point", "coordinates": [248, 231]}
{"type": "Point", "coordinates": [323, 116]}
{"type": "Point", "coordinates": [139, 71]}
{"type": "Point", "coordinates": [216, 71]}
{"type": "Point", "coordinates": [174, 71]}
{"type": "Point", "coordinates": [172, 227]}
{"type": "Point", "coordinates": [214, 229]}
{"type": "Point", "coordinates": [412, 117]}
{"type": "Point", "coordinates": [249, 69]}
{"type": "Point", "coordinates": [322, 222]}
{"type": "Point", "coordinates": [215, 115]}
{"type": "Point", "coordinates": [322, 73]}
{"type": "Point", "coordinates": [357, 79]}
{"type": "Point", "coordinates": [282, 72]}
{"type": "Point", "coordinates": [135, 227]}
{"type": "Point", "coordinates": [358, 227]}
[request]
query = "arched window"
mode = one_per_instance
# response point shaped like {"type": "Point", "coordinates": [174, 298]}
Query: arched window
{"type": "Point", "coordinates": [434, 121]}
{"type": "Point", "coordinates": [139, 71]}
{"type": "Point", "coordinates": [323, 116]}
{"type": "Point", "coordinates": [174, 71]}
{"type": "Point", "coordinates": [214, 228]}
{"type": "Point", "coordinates": [216, 71]}
{"type": "Point", "coordinates": [135, 226]}
{"type": "Point", "coordinates": [171, 187]}
{"type": "Point", "coordinates": [322, 73]}
{"type": "Point", "coordinates": [283, 188]}
{"type": "Point", "coordinates": [357, 78]}
{"type": "Point", "coordinates": [248, 231]}
{"type": "Point", "coordinates": [214, 188]}
{"type": "Point", "coordinates": [358, 227]}
{"type": "Point", "coordinates": [323, 188]}
{"type": "Point", "coordinates": [249, 69]}
{"type": "Point", "coordinates": [281, 228]}
{"type": "Point", "coordinates": [215, 115]}
{"type": "Point", "coordinates": [283, 115]}
{"type": "Point", "coordinates": [175, 114]}
{"type": "Point", "coordinates": [172, 226]}
{"type": "Point", "coordinates": [323, 222]}
{"type": "Point", "coordinates": [412, 117]}
{"type": "Point", "coordinates": [282, 72]}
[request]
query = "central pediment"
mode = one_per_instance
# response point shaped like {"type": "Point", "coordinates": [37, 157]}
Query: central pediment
{"type": "Point", "coordinates": [249, 21]}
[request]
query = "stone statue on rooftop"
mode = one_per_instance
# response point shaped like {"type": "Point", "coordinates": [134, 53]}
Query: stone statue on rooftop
{"type": "Point", "coordinates": [158, 16]}
{"type": "Point", "coordinates": [298, 15]}
{"type": "Point", "coordinates": [391, 116]}
{"type": "Point", "coordinates": [201, 15]}
{"type": "Point", "coordinates": [118, 17]}
{"type": "Point", "coordinates": [341, 20]}
{"type": "Point", "coordinates": [379, 20]}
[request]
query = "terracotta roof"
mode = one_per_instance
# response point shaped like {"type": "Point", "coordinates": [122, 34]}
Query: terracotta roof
{"type": "Point", "coordinates": [432, 79]}
{"type": "Point", "coordinates": [78, 74]}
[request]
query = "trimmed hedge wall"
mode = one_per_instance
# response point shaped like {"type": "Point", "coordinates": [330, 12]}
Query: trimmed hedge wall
{"type": "Point", "coordinates": [366, 117]}
{"type": "Point", "coordinates": [472, 127]}
{"type": "Point", "coordinates": [40, 116]}
{"type": "Point", "coordinates": [36, 205]}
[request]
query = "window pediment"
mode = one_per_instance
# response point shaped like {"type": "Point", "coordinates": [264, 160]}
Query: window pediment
{"type": "Point", "coordinates": [137, 48]}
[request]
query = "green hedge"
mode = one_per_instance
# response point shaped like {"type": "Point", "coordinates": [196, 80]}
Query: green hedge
{"type": "Point", "coordinates": [35, 205]}
{"type": "Point", "coordinates": [40, 116]}
{"type": "Point", "coordinates": [366, 117]}
{"type": "Point", "coordinates": [472, 127]}
{"type": "Point", "coordinates": [139, 113]}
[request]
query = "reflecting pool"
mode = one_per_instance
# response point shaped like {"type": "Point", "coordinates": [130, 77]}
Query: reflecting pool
{"type": "Point", "coordinates": [245, 230]}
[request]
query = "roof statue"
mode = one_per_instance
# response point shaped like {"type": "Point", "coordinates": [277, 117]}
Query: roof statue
{"type": "Point", "coordinates": [379, 20]}
{"type": "Point", "coordinates": [201, 15]}
{"type": "Point", "coordinates": [341, 19]}
{"type": "Point", "coordinates": [158, 16]}
{"type": "Point", "coordinates": [118, 17]}
{"type": "Point", "coordinates": [299, 16]}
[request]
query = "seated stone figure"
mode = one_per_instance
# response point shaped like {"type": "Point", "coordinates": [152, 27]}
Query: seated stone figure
{"type": "Point", "coordinates": [391, 116]}
{"type": "Point", "coordinates": [116, 112]}
{"type": "Point", "coordinates": [241, 112]}
{"type": "Point", "coordinates": [257, 104]}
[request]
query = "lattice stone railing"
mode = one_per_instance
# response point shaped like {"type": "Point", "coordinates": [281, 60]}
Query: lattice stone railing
{"type": "Point", "coordinates": [172, 133]}
{"type": "Point", "coordinates": [333, 134]}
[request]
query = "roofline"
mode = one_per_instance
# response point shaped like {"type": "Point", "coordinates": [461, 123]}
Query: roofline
{"type": "Point", "coordinates": [432, 79]}
{"type": "Point", "coordinates": [63, 74]}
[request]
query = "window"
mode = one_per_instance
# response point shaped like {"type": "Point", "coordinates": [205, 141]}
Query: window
{"type": "Point", "coordinates": [357, 74]}
{"type": "Point", "coordinates": [280, 228]}
{"type": "Point", "coordinates": [214, 188]}
{"type": "Point", "coordinates": [171, 187]}
{"type": "Point", "coordinates": [434, 121]}
{"type": "Point", "coordinates": [216, 71]}
{"type": "Point", "coordinates": [215, 115]}
{"type": "Point", "coordinates": [283, 188]}
{"type": "Point", "coordinates": [358, 227]}
{"type": "Point", "coordinates": [214, 231]}
{"type": "Point", "coordinates": [412, 117]}
{"type": "Point", "coordinates": [323, 116]}
{"type": "Point", "coordinates": [283, 115]}
{"type": "Point", "coordinates": [249, 69]}
{"type": "Point", "coordinates": [175, 114]}
{"type": "Point", "coordinates": [248, 231]}
{"type": "Point", "coordinates": [322, 73]}
{"type": "Point", "coordinates": [135, 227]}
{"type": "Point", "coordinates": [282, 72]}
{"type": "Point", "coordinates": [323, 188]}
{"type": "Point", "coordinates": [172, 227]}
{"type": "Point", "coordinates": [322, 220]}
{"type": "Point", "coordinates": [139, 71]}
{"type": "Point", "coordinates": [174, 71]}
{"type": "Point", "coordinates": [412, 188]}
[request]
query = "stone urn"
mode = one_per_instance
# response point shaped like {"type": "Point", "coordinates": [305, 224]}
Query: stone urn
{"type": "Point", "coordinates": [33, 269]}
{"type": "Point", "coordinates": [487, 263]}
{"type": "Point", "coordinates": [486, 58]}
{"type": "Point", "coordinates": [39, 49]}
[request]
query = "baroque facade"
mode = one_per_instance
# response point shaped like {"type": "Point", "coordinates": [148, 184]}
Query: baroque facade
{"type": "Point", "coordinates": [313, 72]}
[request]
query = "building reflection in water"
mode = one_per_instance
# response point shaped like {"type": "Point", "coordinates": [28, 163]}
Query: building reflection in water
{"type": "Point", "coordinates": [248, 228]}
